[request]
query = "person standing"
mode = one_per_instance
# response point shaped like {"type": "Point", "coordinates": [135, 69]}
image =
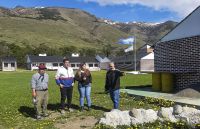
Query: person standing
{"type": "Point", "coordinates": [65, 80]}
{"type": "Point", "coordinates": [39, 86]}
{"type": "Point", "coordinates": [112, 84]}
{"type": "Point", "coordinates": [84, 78]}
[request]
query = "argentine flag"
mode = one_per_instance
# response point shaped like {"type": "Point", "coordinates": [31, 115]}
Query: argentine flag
{"type": "Point", "coordinates": [129, 49]}
{"type": "Point", "coordinates": [129, 40]}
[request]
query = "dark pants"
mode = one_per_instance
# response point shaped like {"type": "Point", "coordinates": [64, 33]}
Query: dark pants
{"type": "Point", "coordinates": [66, 92]}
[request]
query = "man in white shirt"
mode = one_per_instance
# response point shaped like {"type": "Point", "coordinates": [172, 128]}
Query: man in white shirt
{"type": "Point", "coordinates": [65, 80]}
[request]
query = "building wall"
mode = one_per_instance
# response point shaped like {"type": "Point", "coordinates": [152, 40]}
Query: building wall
{"type": "Point", "coordinates": [187, 28]}
{"type": "Point", "coordinates": [181, 57]}
{"type": "Point", "coordinates": [8, 66]}
{"type": "Point", "coordinates": [147, 65]}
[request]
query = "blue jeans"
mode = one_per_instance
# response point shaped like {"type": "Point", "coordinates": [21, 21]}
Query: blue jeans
{"type": "Point", "coordinates": [84, 91]}
{"type": "Point", "coordinates": [114, 95]}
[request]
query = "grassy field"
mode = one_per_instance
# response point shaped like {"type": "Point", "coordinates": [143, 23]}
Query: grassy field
{"type": "Point", "coordinates": [16, 110]}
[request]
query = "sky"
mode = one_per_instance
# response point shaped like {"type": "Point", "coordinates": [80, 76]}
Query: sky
{"type": "Point", "coordinates": [120, 10]}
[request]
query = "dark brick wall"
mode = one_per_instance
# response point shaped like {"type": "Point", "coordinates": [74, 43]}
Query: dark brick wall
{"type": "Point", "coordinates": [181, 57]}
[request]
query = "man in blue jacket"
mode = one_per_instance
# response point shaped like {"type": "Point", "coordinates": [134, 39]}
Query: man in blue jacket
{"type": "Point", "coordinates": [65, 80]}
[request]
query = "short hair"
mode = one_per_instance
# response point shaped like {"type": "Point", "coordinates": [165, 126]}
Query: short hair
{"type": "Point", "coordinates": [65, 60]}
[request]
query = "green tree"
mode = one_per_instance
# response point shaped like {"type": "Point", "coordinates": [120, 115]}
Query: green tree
{"type": "Point", "coordinates": [107, 49]}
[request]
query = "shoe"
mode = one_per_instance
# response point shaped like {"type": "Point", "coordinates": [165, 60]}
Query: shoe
{"type": "Point", "coordinates": [38, 117]}
{"type": "Point", "coordinates": [89, 108]}
{"type": "Point", "coordinates": [62, 111]}
{"type": "Point", "coordinates": [45, 114]}
{"type": "Point", "coordinates": [82, 108]}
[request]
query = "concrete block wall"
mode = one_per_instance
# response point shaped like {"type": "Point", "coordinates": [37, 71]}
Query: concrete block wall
{"type": "Point", "coordinates": [180, 57]}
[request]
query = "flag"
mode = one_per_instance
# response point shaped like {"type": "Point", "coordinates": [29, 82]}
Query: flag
{"type": "Point", "coordinates": [129, 49]}
{"type": "Point", "coordinates": [129, 40]}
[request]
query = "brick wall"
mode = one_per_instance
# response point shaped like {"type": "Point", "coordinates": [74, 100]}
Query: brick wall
{"type": "Point", "coordinates": [181, 57]}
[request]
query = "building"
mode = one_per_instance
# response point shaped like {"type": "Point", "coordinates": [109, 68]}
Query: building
{"type": "Point", "coordinates": [51, 62]}
{"type": "Point", "coordinates": [8, 64]}
{"type": "Point", "coordinates": [103, 61]}
{"type": "Point", "coordinates": [178, 52]}
{"type": "Point", "coordinates": [127, 62]}
{"type": "Point", "coordinates": [147, 63]}
{"type": "Point", "coordinates": [91, 62]}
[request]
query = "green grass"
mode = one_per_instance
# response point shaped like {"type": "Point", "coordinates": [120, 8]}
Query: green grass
{"type": "Point", "coordinates": [16, 110]}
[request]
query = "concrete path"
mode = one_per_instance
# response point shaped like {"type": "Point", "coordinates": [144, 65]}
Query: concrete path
{"type": "Point", "coordinates": [167, 96]}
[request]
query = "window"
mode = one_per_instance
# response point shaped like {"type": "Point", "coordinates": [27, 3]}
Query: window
{"type": "Point", "coordinates": [61, 64]}
{"type": "Point", "coordinates": [72, 65]}
{"type": "Point", "coordinates": [77, 65]}
{"type": "Point", "coordinates": [5, 64]}
{"type": "Point", "coordinates": [90, 65]}
{"type": "Point", "coordinates": [34, 64]}
{"type": "Point", "coordinates": [55, 64]}
{"type": "Point", "coordinates": [120, 63]}
{"type": "Point", "coordinates": [96, 65]}
{"type": "Point", "coordinates": [12, 64]}
{"type": "Point", "coordinates": [128, 62]}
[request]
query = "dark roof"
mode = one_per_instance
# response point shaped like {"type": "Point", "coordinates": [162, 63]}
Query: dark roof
{"type": "Point", "coordinates": [45, 58]}
{"type": "Point", "coordinates": [81, 59]}
{"type": "Point", "coordinates": [4, 59]}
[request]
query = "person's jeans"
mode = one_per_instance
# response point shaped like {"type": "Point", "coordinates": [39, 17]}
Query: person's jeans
{"type": "Point", "coordinates": [66, 92]}
{"type": "Point", "coordinates": [114, 95]}
{"type": "Point", "coordinates": [84, 91]}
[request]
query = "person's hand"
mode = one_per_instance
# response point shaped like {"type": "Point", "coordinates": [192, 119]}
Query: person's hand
{"type": "Point", "coordinates": [61, 86]}
{"type": "Point", "coordinates": [72, 84]}
{"type": "Point", "coordinates": [84, 78]}
{"type": "Point", "coordinates": [34, 94]}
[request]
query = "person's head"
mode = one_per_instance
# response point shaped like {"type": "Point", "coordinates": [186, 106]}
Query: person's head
{"type": "Point", "coordinates": [41, 68]}
{"type": "Point", "coordinates": [111, 66]}
{"type": "Point", "coordinates": [66, 63]}
{"type": "Point", "coordinates": [82, 66]}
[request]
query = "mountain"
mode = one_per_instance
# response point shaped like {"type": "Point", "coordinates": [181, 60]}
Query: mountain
{"type": "Point", "coordinates": [56, 27]}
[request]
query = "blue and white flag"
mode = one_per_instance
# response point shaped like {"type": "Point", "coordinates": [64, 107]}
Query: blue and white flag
{"type": "Point", "coordinates": [129, 40]}
{"type": "Point", "coordinates": [130, 48]}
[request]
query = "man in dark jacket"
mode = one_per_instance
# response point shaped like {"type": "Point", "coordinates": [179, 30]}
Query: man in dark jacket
{"type": "Point", "coordinates": [113, 84]}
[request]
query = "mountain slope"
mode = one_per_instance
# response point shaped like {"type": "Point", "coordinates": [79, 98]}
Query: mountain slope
{"type": "Point", "coordinates": [70, 27]}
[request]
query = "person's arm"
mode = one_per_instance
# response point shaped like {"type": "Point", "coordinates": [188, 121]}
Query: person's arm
{"type": "Point", "coordinates": [121, 73]}
{"type": "Point", "coordinates": [77, 76]}
{"type": "Point", "coordinates": [33, 85]}
{"type": "Point", "coordinates": [90, 78]}
{"type": "Point", "coordinates": [57, 78]}
{"type": "Point", "coordinates": [106, 83]}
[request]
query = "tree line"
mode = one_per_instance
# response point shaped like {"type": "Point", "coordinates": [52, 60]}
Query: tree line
{"type": "Point", "coordinates": [20, 52]}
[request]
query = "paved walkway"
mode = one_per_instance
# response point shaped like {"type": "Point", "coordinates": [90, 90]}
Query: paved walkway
{"type": "Point", "coordinates": [167, 96]}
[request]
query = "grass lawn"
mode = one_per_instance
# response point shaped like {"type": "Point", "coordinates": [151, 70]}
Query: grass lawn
{"type": "Point", "coordinates": [16, 110]}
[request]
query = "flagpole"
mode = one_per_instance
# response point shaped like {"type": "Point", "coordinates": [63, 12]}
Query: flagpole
{"type": "Point", "coordinates": [135, 53]}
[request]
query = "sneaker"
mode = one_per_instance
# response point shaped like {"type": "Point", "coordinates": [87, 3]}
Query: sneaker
{"type": "Point", "coordinates": [89, 108]}
{"type": "Point", "coordinates": [45, 114]}
{"type": "Point", "coordinates": [81, 109]}
{"type": "Point", "coordinates": [62, 111]}
{"type": "Point", "coordinates": [38, 117]}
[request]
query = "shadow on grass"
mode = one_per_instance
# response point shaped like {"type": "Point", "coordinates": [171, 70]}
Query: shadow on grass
{"type": "Point", "coordinates": [95, 107]}
{"type": "Point", "coordinates": [56, 107]}
{"type": "Point", "coordinates": [27, 111]}
{"type": "Point", "coordinates": [140, 87]}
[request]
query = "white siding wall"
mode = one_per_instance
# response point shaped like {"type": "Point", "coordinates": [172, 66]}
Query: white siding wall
{"type": "Point", "coordinates": [188, 28]}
